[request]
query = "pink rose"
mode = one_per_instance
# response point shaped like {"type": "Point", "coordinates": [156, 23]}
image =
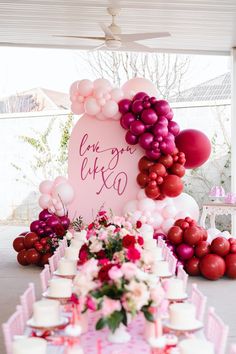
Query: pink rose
{"type": "Point", "coordinates": [129, 270]}
{"type": "Point", "coordinates": [109, 306]}
{"type": "Point", "coordinates": [133, 254]}
{"type": "Point", "coordinates": [91, 304]}
{"type": "Point", "coordinates": [115, 273]}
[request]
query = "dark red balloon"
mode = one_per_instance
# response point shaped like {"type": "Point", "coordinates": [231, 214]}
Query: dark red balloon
{"type": "Point", "coordinates": [233, 248]}
{"type": "Point", "coordinates": [34, 226]}
{"type": "Point", "coordinates": [24, 233]}
{"type": "Point", "coordinates": [142, 179]}
{"type": "Point", "coordinates": [192, 266]}
{"type": "Point", "coordinates": [44, 215]}
{"type": "Point", "coordinates": [220, 246]}
{"type": "Point", "coordinates": [179, 222]}
{"type": "Point", "coordinates": [172, 186]}
{"type": "Point", "coordinates": [144, 164]}
{"type": "Point", "coordinates": [44, 259]}
{"type": "Point", "coordinates": [159, 169]}
{"type": "Point", "coordinates": [192, 235]}
{"type": "Point", "coordinates": [195, 145]}
{"type": "Point", "coordinates": [175, 235]}
{"type": "Point", "coordinates": [65, 221]}
{"type": "Point", "coordinates": [30, 239]}
{"type": "Point", "coordinates": [177, 169]}
{"type": "Point", "coordinates": [202, 249]}
{"type": "Point", "coordinates": [166, 160]}
{"type": "Point", "coordinates": [230, 262]}
{"type": "Point", "coordinates": [152, 193]}
{"type": "Point", "coordinates": [212, 266]}
{"type": "Point", "coordinates": [32, 256]}
{"type": "Point", "coordinates": [18, 244]}
{"type": "Point", "coordinates": [21, 258]}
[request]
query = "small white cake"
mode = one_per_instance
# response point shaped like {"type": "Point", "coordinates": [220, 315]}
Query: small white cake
{"type": "Point", "coordinates": [196, 346]}
{"type": "Point", "coordinates": [76, 243]}
{"type": "Point", "coordinates": [175, 289]}
{"type": "Point", "coordinates": [46, 313]}
{"type": "Point", "coordinates": [29, 346]}
{"type": "Point", "coordinates": [60, 287]}
{"type": "Point", "coordinates": [67, 267]}
{"type": "Point", "coordinates": [72, 253]}
{"type": "Point", "coordinates": [157, 253]}
{"type": "Point", "coordinates": [182, 315]}
{"type": "Point", "coordinates": [150, 243]}
{"type": "Point", "coordinates": [161, 268]}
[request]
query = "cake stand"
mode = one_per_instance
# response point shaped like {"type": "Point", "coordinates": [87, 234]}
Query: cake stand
{"type": "Point", "coordinates": [62, 300]}
{"type": "Point", "coordinates": [178, 300]}
{"type": "Point", "coordinates": [71, 276]}
{"type": "Point", "coordinates": [197, 326]}
{"type": "Point", "coordinates": [61, 325]}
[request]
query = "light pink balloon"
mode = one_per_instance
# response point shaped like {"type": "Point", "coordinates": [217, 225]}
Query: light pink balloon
{"type": "Point", "coordinates": [167, 224]}
{"type": "Point", "coordinates": [59, 179]}
{"type": "Point", "coordinates": [139, 84]}
{"type": "Point", "coordinates": [91, 106]}
{"type": "Point", "coordinates": [110, 109]}
{"type": "Point", "coordinates": [169, 212]}
{"type": "Point", "coordinates": [99, 92]}
{"type": "Point", "coordinates": [74, 87]}
{"type": "Point", "coordinates": [60, 212]}
{"type": "Point", "coordinates": [45, 187]}
{"type": "Point", "coordinates": [65, 192]}
{"type": "Point", "coordinates": [117, 94]}
{"type": "Point", "coordinates": [77, 108]}
{"type": "Point", "coordinates": [157, 220]}
{"type": "Point", "coordinates": [117, 116]}
{"type": "Point", "coordinates": [51, 209]}
{"type": "Point", "coordinates": [44, 201]}
{"type": "Point", "coordinates": [101, 116]}
{"type": "Point", "coordinates": [104, 83]}
{"type": "Point", "coordinates": [102, 101]}
{"type": "Point", "coordinates": [85, 87]}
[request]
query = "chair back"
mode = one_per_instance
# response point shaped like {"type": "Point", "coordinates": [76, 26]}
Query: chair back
{"type": "Point", "coordinates": [216, 331]}
{"type": "Point", "coordinates": [199, 300]}
{"type": "Point", "coordinates": [181, 274]}
{"type": "Point", "coordinates": [160, 242]}
{"type": "Point", "coordinates": [12, 328]}
{"type": "Point", "coordinates": [27, 300]}
{"type": "Point", "coordinates": [53, 262]}
{"type": "Point", "coordinates": [45, 277]}
{"type": "Point", "coordinates": [172, 260]}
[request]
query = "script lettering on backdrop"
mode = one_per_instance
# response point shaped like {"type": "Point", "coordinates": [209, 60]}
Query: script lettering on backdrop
{"type": "Point", "coordinates": [102, 167]}
{"type": "Point", "coordinates": [111, 175]}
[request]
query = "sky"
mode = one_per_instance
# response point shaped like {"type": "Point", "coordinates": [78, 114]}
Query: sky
{"type": "Point", "coordinates": [25, 68]}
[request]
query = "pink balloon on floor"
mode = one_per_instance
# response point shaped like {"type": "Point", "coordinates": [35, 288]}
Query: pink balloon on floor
{"type": "Point", "coordinates": [138, 84]}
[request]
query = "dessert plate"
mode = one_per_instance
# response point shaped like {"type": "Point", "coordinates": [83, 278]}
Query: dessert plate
{"type": "Point", "coordinates": [194, 327]}
{"type": "Point", "coordinates": [68, 276]}
{"type": "Point", "coordinates": [178, 299]}
{"type": "Point", "coordinates": [62, 324]}
{"type": "Point", "coordinates": [62, 300]}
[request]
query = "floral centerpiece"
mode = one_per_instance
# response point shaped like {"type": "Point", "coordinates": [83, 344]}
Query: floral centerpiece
{"type": "Point", "coordinates": [117, 291]}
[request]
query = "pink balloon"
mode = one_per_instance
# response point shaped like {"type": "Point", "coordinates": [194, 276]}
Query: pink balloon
{"type": "Point", "coordinates": [110, 109]}
{"type": "Point", "coordinates": [45, 187]}
{"type": "Point", "coordinates": [59, 180]}
{"type": "Point", "coordinates": [140, 96]}
{"type": "Point", "coordinates": [160, 130]}
{"type": "Point", "coordinates": [149, 116]}
{"type": "Point", "coordinates": [173, 128]}
{"type": "Point", "coordinates": [85, 87]}
{"type": "Point", "coordinates": [103, 83]}
{"type": "Point", "coordinates": [44, 201]}
{"type": "Point", "coordinates": [137, 127]}
{"type": "Point", "coordinates": [74, 87]}
{"type": "Point", "coordinates": [65, 192]}
{"type": "Point", "coordinates": [91, 106]}
{"type": "Point", "coordinates": [77, 108]}
{"type": "Point", "coordinates": [137, 106]}
{"type": "Point", "coordinates": [117, 94]}
{"type": "Point", "coordinates": [138, 84]}
{"type": "Point", "coordinates": [60, 212]}
{"type": "Point", "coordinates": [185, 251]}
{"type": "Point", "coordinates": [125, 105]}
{"type": "Point", "coordinates": [170, 115]}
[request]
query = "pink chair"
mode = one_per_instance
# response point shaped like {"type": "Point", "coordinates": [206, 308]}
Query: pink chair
{"type": "Point", "coordinates": [216, 331]}
{"type": "Point", "coordinates": [160, 242]}
{"type": "Point", "coordinates": [233, 349]}
{"type": "Point", "coordinates": [12, 328]}
{"type": "Point", "coordinates": [27, 300]}
{"type": "Point", "coordinates": [172, 260]}
{"type": "Point", "coordinates": [199, 300]}
{"type": "Point", "coordinates": [45, 277]}
{"type": "Point", "coordinates": [181, 274]}
{"type": "Point", "coordinates": [53, 262]}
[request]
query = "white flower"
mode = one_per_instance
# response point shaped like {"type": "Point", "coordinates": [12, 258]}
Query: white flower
{"type": "Point", "coordinates": [141, 275]}
{"type": "Point", "coordinates": [139, 294]}
{"type": "Point", "coordinates": [90, 268]}
{"type": "Point", "coordinates": [124, 232]}
{"type": "Point", "coordinates": [111, 228]}
{"type": "Point", "coordinates": [147, 257]}
{"type": "Point", "coordinates": [69, 235]}
{"type": "Point", "coordinates": [96, 245]}
{"type": "Point", "coordinates": [81, 235]}
{"type": "Point", "coordinates": [83, 285]}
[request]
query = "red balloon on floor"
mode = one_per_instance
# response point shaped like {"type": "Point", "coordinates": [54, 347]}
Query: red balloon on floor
{"type": "Point", "coordinates": [230, 262]}
{"type": "Point", "coordinates": [22, 258]}
{"type": "Point", "coordinates": [195, 145]}
{"type": "Point", "coordinates": [192, 266]}
{"type": "Point", "coordinates": [212, 266]}
{"type": "Point", "coordinates": [220, 246]}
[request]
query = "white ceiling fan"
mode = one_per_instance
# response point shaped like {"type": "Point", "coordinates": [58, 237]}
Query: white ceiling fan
{"type": "Point", "coordinates": [114, 39]}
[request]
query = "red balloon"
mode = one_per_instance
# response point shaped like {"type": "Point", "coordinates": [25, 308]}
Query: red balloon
{"type": "Point", "coordinates": [18, 244]}
{"type": "Point", "coordinates": [172, 186]}
{"type": "Point", "coordinates": [202, 249]}
{"type": "Point", "coordinates": [192, 235]}
{"type": "Point", "coordinates": [212, 266]}
{"type": "Point", "coordinates": [159, 169]}
{"type": "Point", "coordinates": [184, 251]}
{"type": "Point", "coordinates": [32, 256]}
{"type": "Point", "coordinates": [30, 239]}
{"type": "Point", "coordinates": [144, 164]}
{"type": "Point", "coordinates": [142, 179]}
{"type": "Point", "coordinates": [175, 235]}
{"type": "Point", "coordinates": [44, 259]}
{"type": "Point", "coordinates": [22, 258]}
{"type": "Point", "coordinates": [195, 145]}
{"type": "Point", "coordinates": [166, 160]}
{"type": "Point", "coordinates": [192, 266]}
{"type": "Point", "coordinates": [152, 193]}
{"type": "Point", "coordinates": [179, 222]}
{"type": "Point", "coordinates": [220, 246]}
{"type": "Point", "coordinates": [178, 169]}
{"type": "Point", "coordinates": [232, 240]}
{"type": "Point", "coordinates": [233, 248]}
{"type": "Point", "coordinates": [230, 262]}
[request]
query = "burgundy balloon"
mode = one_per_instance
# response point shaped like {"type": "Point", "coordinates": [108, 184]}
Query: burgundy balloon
{"type": "Point", "coordinates": [48, 230]}
{"type": "Point", "coordinates": [137, 106]}
{"type": "Point", "coordinates": [152, 100]}
{"type": "Point", "coordinates": [160, 130]}
{"type": "Point", "coordinates": [185, 251]}
{"type": "Point", "coordinates": [34, 226]}
{"type": "Point", "coordinates": [167, 146]}
{"type": "Point", "coordinates": [40, 232]}
{"type": "Point", "coordinates": [131, 138]}
{"type": "Point", "coordinates": [159, 234]}
{"type": "Point", "coordinates": [124, 105]}
{"type": "Point", "coordinates": [149, 116]}
{"type": "Point", "coordinates": [126, 120]}
{"type": "Point", "coordinates": [140, 96]}
{"type": "Point", "coordinates": [153, 154]}
{"type": "Point", "coordinates": [65, 221]}
{"type": "Point", "coordinates": [53, 221]}
{"type": "Point", "coordinates": [145, 140]}
{"type": "Point", "coordinates": [146, 104]}
{"type": "Point", "coordinates": [162, 108]}
{"type": "Point", "coordinates": [137, 127]}
{"type": "Point", "coordinates": [173, 128]}
{"type": "Point", "coordinates": [42, 224]}
{"type": "Point", "coordinates": [163, 120]}
{"type": "Point", "coordinates": [44, 215]}
{"type": "Point", "coordinates": [170, 115]}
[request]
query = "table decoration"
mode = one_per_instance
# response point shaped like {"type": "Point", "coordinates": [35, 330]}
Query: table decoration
{"type": "Point", "coordinates": [196, 346]}
{"type": "Point", "coordinates": [217, 193]}
{"type": "Point", "coordinates": [29, 346]}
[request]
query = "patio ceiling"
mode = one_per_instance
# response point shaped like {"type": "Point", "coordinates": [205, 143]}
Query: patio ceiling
{"type": "Point", "coordinates": [201, 26]}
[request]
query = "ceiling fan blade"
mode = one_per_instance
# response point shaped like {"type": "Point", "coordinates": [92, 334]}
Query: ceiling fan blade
{"type": "Point", "coordinates": [142, 36]}
{"type": "Point", "coordinates": [134, 46]}
{"type": "Point", "coordinates": [82, 37]}
{"type": "Point", "coordinates": [107, 31]}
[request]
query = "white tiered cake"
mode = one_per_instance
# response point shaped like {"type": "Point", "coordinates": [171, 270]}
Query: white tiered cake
{"type": "Point", "coordinates": [182, 316]}
{"type": "Point", "coordinates": [67, 267]}
{"type": "Point", "coordinates": [175, 289]}
{"type": "Point", "coordinates": [161, 269]}
{"type": "Point", "coordinates": [46, 313]}
{"type": "Point", "coordinates": [29, 346]}
{"type": "Point", "coordinates": [196, 346]}
{"type": "Point", "coordinates": [60, 287]}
